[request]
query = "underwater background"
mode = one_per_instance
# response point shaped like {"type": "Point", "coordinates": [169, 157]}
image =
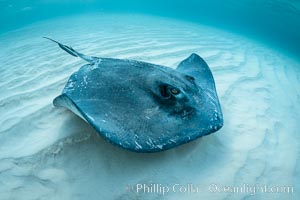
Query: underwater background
{"type": "Point", "coordinates": [276, 21]}
{"type": "Point", "coordinates": [252, 48]}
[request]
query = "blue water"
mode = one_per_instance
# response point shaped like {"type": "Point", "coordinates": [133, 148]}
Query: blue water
{"type": "Point", "coordinates": [276, 22]}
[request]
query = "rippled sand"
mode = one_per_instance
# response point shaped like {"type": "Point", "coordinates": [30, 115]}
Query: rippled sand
{"type": "Point", "coordinates": [49, 153]}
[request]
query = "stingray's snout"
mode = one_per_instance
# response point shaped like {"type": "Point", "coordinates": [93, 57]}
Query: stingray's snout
{"type": "Point", "coordinates": [219, 121]}
{"type": "Point", "coordinates": [216, 122]}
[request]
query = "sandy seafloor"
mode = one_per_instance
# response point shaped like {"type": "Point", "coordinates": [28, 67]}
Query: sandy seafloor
{"type": "Point", "coordinates": [49, 153]}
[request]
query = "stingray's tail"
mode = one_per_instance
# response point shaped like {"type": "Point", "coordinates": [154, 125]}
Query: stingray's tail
{"type": "Point", "coordinates": [72, 52]}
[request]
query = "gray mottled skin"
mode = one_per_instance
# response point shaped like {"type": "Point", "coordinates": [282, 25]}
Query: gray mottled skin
{"type": "Point", "coordinates": [141, 106]}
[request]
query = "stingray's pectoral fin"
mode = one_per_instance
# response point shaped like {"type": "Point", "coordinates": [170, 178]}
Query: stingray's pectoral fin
{"type": "Point", "coordinates": [196, 67]}
{"type": "Point", "coordinates": [72, 52]}
{"type": "Point", "coordinates": [64, 101]}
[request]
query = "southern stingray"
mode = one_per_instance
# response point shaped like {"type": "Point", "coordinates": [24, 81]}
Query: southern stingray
{"type": "Point", "coordinates": [141, 106]}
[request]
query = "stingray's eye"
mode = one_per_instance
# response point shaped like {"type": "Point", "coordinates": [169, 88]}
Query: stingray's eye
{"type": "Point", "coordinates": [169, 92]}
{"type": "Point", "coordinates": [174, 91]}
